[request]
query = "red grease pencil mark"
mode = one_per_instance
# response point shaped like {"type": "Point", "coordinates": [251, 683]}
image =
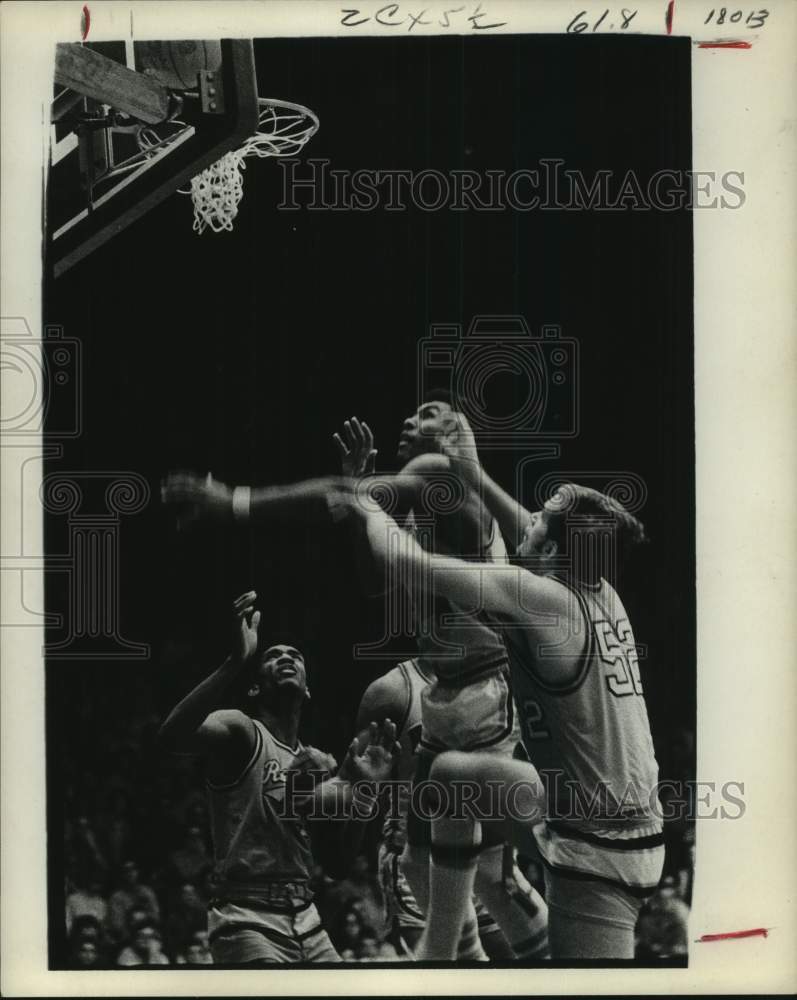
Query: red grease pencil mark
{"type": "Point", "coordinates": [725, 45]}
{"type": "Point", "coordinates": [85, 22]}
{"type": "Point", "coordinates": [755, 932]}
{"type": "Point", "coordinates": [668, 17]}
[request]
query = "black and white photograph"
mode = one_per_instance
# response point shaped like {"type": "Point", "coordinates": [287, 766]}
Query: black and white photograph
{"type": "Point", "coordinates": [361, 429]}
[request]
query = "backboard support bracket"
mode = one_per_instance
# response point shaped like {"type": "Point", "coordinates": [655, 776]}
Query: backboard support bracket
{"type": "Point", "coordinates": [215, 132]}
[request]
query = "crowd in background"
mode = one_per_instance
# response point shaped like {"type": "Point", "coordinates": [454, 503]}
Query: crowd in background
{"type": "Point", "coordinates": [137, 863]}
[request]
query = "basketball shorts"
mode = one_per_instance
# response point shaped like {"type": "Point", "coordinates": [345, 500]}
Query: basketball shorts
{"type": "Point", "coordinates": [477, 716]}
{"type": "Point", "coordinates": [242, 935]}
{"type": "Point", "coordinates": [632, 862]}
{"type": "Point", "coordinates": [597, 902]}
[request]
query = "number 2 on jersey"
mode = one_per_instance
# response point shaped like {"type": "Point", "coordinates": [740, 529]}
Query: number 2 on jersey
{"type": "Point", "coordinates": [533, 719]}
{"type": "Point", "coordinates": [617, 651]}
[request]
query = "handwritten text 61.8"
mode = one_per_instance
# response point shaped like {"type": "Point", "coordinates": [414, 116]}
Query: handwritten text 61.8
{"type": "Point", "coordinates": [622, 19]}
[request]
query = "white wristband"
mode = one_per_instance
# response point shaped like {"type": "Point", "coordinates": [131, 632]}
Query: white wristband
{"type": "Point", "coordinates": [241, 500]}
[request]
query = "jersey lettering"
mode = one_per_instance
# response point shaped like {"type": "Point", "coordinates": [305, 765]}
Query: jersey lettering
{"type": "Point", "coordinates": [617, 650]}
{"type": "Point", "coordinates": [273, 780]}
{"type": "Point", "coordinates": [533, 719]}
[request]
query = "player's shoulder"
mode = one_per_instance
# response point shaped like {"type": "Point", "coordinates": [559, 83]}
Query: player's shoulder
{"type": "Point", "coordinates": [387, 687]}
{"type": "Point", "coordinates": [236, 743]}
{"type": "Point", "coordinates": [606, 593]}
{"type": "Point", "coordinates": [391, 679]}
{"type": "Point", "coordinates": [231, 718]}
{"type": "Point", "coordinates": [597, 599]}
{"type": "Point", "coordinates": [553, 613]}
{"type": "Point", "coordinates": [385, 696]}
{"type": "Point", "coordinates": [427, 464]}
{"type": "Point", "coordinates": [231, 730]}
{"type": "Point", "coordinates": [547, 592]}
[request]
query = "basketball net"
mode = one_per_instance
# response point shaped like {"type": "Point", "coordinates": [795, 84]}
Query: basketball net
{"type": "Point", "coordinates": [283, 129]}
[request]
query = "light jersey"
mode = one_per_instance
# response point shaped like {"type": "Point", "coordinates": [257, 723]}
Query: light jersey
{"type": "Point", "coordinates": [459, 645]}
{"type": "Point", "coordinates": [259, 856]}
{"type": "Point", "coordinates": [408, 733]}
{"type": "Point", "coordinates": [590, 740]}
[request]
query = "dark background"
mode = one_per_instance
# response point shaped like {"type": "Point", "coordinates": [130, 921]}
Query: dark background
{"type": "Point", "coordinates": [242, 352]}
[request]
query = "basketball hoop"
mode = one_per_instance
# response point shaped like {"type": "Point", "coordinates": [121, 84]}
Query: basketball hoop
{"type": "Point", "coordinates": [283, 130]}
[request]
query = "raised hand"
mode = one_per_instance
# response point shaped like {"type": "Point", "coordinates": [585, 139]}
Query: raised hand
{"type": "Point", "coordinates": [459, 444]}
{"type": "Point", "coordinates": [372, 757]}
{"type": "Point", "coordinates": [244, 637]}
{"type": "Point", "coordinates": [357, 452]}
{"type": "Point", "coordinates": [317, 761]}
{"type": "Point", "coordinates": [197, 496]}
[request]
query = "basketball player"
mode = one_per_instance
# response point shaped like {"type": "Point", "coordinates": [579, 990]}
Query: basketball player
{"type": "Point", "coordinates": [576, 681]}
{"type": "Point", "coordinates": [262, 911]}
{"type": "Point", "coordinates": [467, 703]}
{"type": "Point", "coordinates": [430, 689]}
{"type": "Point", "coordinates": [397, 695]}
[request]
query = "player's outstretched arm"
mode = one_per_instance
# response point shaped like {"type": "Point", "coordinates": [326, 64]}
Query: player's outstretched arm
{"type": "Point", "coordinates": [205, 498]}
{"type": "Point", "coordinates": [510, 590]}
{"type": "Point", "coordinates": [459, 445]}
{"type": "Point", "coordinates": [196, 725]}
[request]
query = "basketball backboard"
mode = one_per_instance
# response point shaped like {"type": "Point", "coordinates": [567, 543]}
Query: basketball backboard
{"type": "Point", "coordinates": [131, 122]}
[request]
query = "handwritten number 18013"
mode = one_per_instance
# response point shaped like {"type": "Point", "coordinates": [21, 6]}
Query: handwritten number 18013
{"type": "Point", "coordinates": [577, 25]}
{"type": "Point", "coordinates": [754, 19]}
